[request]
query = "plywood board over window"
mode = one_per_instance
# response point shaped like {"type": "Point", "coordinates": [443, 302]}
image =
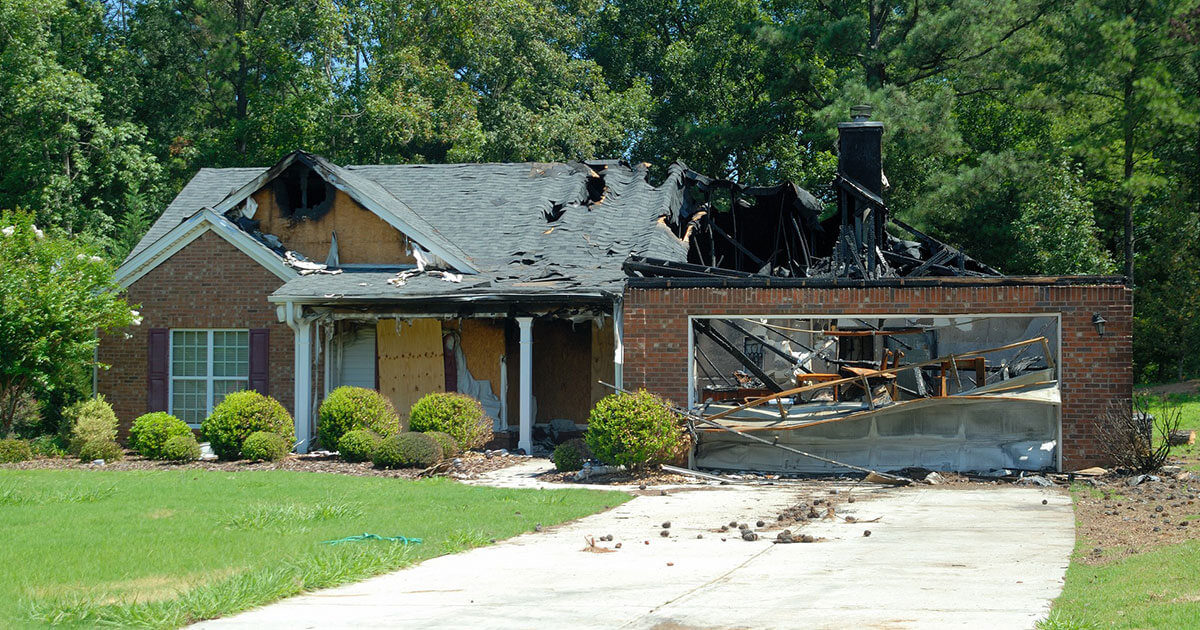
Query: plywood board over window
{"type": "Point", "coordinates": [483, 345]}
{"type": "Point", "coordinates": [410, 361]}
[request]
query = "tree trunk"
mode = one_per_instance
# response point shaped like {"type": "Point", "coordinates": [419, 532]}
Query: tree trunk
{"type": "Point", "coordinates": [239, 87]}
{"type": "Point", "coordinates": [1178, 438]}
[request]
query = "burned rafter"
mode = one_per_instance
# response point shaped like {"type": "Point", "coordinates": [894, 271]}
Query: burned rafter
{"type": "Point", "coordinates": [751, 366]}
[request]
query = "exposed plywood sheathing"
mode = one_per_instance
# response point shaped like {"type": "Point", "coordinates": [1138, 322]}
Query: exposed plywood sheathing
{"type": "Point", "coordinates": [561, 370]}
{"type": "Point", "coordinates": [482, 345]}
{"type": "Point", "coordinates": [603, 348]}
{"type": "Point", "coordinates": [362, 236]}
{"type": "Point", "coordinates": [410, 361]}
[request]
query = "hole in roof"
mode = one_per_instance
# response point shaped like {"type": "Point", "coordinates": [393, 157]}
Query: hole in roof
{"type": "Point", "coordinates": [302, 194]}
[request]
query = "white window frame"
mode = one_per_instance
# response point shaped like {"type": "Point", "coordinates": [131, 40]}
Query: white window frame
{"type": "Point", "coordinates": [209, 379]}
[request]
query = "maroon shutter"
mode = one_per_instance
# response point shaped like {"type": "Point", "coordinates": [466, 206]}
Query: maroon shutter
{"type": "Point", "coordinates": [157, 370]}
{"type": "Point", "coordinates": [260, 354]}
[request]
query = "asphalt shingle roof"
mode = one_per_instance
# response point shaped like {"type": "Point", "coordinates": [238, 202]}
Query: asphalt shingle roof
{"type": "Point", "coordinates": [528, 227]}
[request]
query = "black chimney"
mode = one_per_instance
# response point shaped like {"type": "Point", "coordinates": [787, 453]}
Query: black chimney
{"type": "Point", "coordinates": [860, 195]}
{"type": "Point", "coordinates": [860, 157]}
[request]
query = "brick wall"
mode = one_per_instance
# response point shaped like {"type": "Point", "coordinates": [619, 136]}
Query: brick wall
{"type": "Point", "coordinates": [207, 284]}
{"type": "Point", "coordinates": [1094, 370]}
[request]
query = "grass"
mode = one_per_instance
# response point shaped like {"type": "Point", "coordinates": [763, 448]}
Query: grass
{"type": "Point", "coordinates": [1159, 589]}
{"type": "Point", "coordinates": [165, 548]}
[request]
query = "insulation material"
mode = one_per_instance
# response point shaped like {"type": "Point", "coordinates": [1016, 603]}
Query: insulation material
{"type": "Point", "coordinates": [482, 342]}
{"type": "Point", "coordinates": [410, 361]}
{"type": "Point", "coordinates": [480, 390]}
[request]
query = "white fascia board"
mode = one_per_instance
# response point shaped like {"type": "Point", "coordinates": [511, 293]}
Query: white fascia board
{"type": "Point", "coordinates": [459, 265]}
{"type": "Point", "coordinates": [189, 230]}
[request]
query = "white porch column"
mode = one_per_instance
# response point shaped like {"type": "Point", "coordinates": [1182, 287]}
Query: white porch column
{"type": "Point", "coordinates": [618, 337]}
{"type": "Point", "coordinates": [303, 383]}
{"type": "Point", "coordinates": [525, 436]}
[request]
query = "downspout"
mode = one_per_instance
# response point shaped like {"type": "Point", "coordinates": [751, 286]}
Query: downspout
{"type": "Point", "coordinates": [619, 342]}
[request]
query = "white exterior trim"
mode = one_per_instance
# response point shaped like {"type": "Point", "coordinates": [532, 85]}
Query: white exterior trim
{"type": "Point", "coordinates": [191, 229]}
{"type": "Point", "coordinates": [525, 430]}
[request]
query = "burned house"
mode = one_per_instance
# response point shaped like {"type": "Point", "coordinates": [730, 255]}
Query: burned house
{"type": "Point", "coordinates": [842, 331]}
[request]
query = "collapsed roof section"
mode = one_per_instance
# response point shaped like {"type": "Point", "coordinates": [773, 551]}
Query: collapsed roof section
{"type": "Point", "coordinates": [735, 231]}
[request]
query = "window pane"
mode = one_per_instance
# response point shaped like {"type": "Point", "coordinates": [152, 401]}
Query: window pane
{"type": "Point", "coordinates": [221, 388]}
{"type": "Point", "coordinates": [189, 400]}
{"type": "Point", "coordinates": [231, 353]}
{"type": "Point", "coordinates": [189, 353]}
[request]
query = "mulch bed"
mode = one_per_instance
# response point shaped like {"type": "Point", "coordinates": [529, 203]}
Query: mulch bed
{"type": "Point", "coordinates": [472, 464]}
{"type": "Point", "coordinates": [623, 478]}
{"type": "Point", "coordinates": [1119, 520]}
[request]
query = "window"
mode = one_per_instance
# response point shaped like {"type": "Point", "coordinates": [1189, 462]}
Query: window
{"type": "Point", "coordinates": [753, 349]}
{"type": "Point", "coordinates": [206, 365]}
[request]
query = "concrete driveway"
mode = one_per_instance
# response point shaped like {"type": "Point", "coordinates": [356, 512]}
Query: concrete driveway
{"type": "Point", "coordinates": [990, 557]}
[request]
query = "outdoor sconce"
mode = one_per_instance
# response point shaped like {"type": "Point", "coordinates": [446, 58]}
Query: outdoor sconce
{"type": "Point", "coordinates": [1098, 321]}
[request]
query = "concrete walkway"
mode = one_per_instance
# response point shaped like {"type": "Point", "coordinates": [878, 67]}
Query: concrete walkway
{"type": "Point", "coordinates": [938, 558]}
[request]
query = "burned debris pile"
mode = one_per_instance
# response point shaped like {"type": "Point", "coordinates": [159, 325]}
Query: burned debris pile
{"type": "Point", "coordinates": [784, 231]}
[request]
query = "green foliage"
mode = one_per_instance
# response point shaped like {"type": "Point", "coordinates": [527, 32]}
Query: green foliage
{"type": "Point", "coordinates": [99, 449]}
{"type": "Point", "coordinates": [407, 450]}
{"type": "Point", "coordinates": [633, 430]}
{"type": "Point", "coordinates": [48, 446]}
{"type": "Point", "coordinates": [457, 414]}
{"type": "Point", "coordinates": [243, 413]}
{"type": "Point", "coordinates": [358, 445]}
{"type": "Point", "coordinates": [151, 431]}
{"type": "Point", "coordinates": [55, 294]}
{"type": "Point", "coordinates": [264, 446]}
{"type": "Point", "coordinates": [570, 455]}
{"type": "Point", "coordinates": [348, 408]}
{"type": "Point", "coordinates": [14, 450]}
{"type": "Point", "coordinates": [180, 448]}
{"type": "Point", "coordinates": [450, 447]}
{"type": "Point", "coordinates": [91, 421]}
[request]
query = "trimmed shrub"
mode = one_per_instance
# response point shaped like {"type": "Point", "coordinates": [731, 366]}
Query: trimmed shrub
{"type": "Point", "coordinates": [243, 413]}
{"type": "Point", "coordinates": [151, 431]}
{"type": "Point", "coordinates": [358, 445]}
{"type": "Point", "coordinates": [570, 455]}
{"type": "Point", "coordinates": [97, 449]}
{"type": "Point", "coordinates": [633, 430]}
{"type": "Point", "coordinates": [264, 446]}
{"type": "Point", "coordinates": [48, 446]}
{"type": "Point", "coordinates": [93, 421]}
{"type": "Point", "coordinates": [180, 448]}
{"type": "Point", "coordinates": [449, 445]}
{"type": "Point", "coordinates": [349, 408]}
{"type": "Point", "coordinates": [456, 414]}
{"type": "Point", "coordinates": [14, 450]}
{"type": "Point", "coordinates": [408, 450]}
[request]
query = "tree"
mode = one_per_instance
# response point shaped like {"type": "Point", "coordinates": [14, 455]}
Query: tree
{"type": "Point", "coordinates": [64, 156]}
{"type": "Point", "coordinates": [56, 292]}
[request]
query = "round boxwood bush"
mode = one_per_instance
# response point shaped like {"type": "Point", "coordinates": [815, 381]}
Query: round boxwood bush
{"type": "Point", "coordinates": [570, 455]}
{"type": "Point", "coordinates": [14, 450]}
{"type": "Point", "coordinates": [90, 420]}
{"type": "Point", "coordinates": [264, 446]}
{"type": "Point", "coordinates": [457, 414]}
{"type": "Point", "coordinates": [633, 430]}
{"type": "Point", "coordinates": [449, 445]}
{"type": "Point", "coordinates": [358, 445]}
{"type": "Point", "coordinates": [243, 413]}
{"type": "Point", "coordinates": [408, 450]}
{"type": "Point", "coordinates": [151, 431]}
{"type": "Point", "coordinates": [180, 448]}
{"type": "Point", "coordinates": [99, 449]}
{"type": "Point", "coordinates": [348, 408]}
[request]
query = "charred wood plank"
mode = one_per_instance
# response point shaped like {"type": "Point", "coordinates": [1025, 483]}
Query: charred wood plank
{"type": "Point", "coordinates": [733, 241]}
{"type": "Point", "coordinates": [766, 344]}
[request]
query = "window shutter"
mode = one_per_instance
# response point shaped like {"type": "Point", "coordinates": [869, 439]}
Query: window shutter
{"type": "Point", "coordinates": [260, 354]}
{"type": "Point", "coordinates": [157, 370]}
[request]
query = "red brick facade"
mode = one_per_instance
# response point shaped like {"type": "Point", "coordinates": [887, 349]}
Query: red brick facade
{"type": "Point", "coordinates": [1094, 370]}
{"type": "Point", "coordinates": [207, 284]}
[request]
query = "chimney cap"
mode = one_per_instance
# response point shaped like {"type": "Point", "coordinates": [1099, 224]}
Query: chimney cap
{"type": "Point", "coordinates": [860, 118]}
{"type": "Point", "coordinates": [860, 113]}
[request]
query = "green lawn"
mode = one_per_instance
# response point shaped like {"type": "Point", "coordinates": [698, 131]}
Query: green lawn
{"type": "Point", "coordinates": [1158, 589]}
{"type": "Point", "coordinates": [164, 548]}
